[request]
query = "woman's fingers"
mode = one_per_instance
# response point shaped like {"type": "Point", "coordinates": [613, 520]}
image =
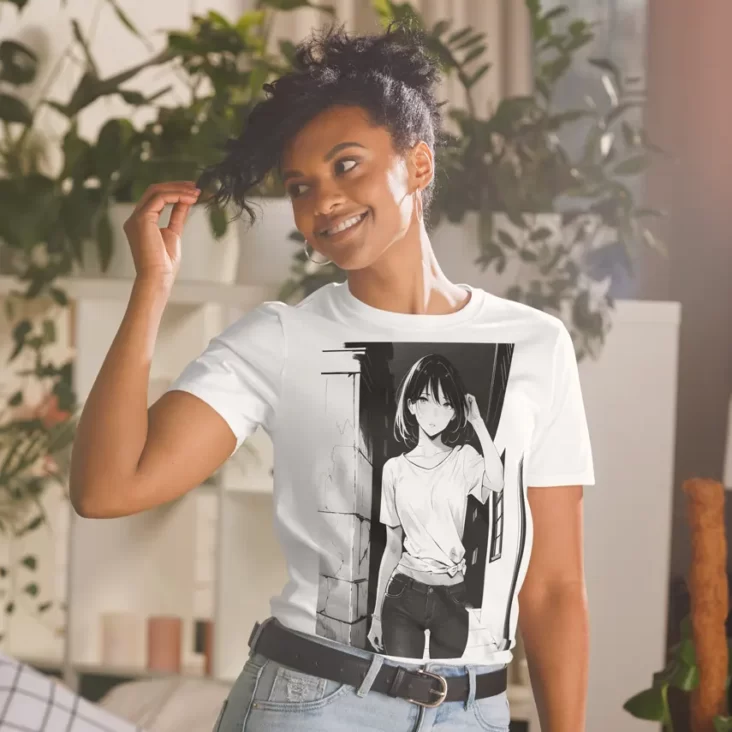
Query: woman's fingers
{"type": "Point", "coordinates": [178, 217]}
{"type": "Point", "coordinates": [182, 187]}
{"type": "Point", "coordinates": [155, 204]}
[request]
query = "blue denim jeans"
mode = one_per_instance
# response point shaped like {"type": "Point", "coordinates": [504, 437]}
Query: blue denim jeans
{"type": "Point", "coordinates": [269, 697]}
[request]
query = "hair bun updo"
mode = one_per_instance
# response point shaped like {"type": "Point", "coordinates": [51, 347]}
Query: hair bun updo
{"type": "Point", "coordinates": [389, 75]}
{"type": "Point", "coordinates": [398, 55]}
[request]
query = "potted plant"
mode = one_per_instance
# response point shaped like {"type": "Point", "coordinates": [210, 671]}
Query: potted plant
{"type": "Point", "coordinates": [679, 676]}
{"type": "Point", "coordinates": [699, 668]}
{"type": "Point", "coordinates": [51, 214]}
{"type": "Point", "coordinates": [545, 219]}
{"type": "Point", "coordinates": [46, 216]}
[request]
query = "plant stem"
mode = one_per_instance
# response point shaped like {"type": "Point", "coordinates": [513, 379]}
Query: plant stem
{"type": "Point", "coordinates": [666, 709]}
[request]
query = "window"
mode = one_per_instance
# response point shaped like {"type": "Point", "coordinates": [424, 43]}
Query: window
{"type": "Point", "coordinates": [497, 538]}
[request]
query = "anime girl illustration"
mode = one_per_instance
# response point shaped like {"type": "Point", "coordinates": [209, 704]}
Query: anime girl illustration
{"type": "Point", "coordinates": [421, 583]}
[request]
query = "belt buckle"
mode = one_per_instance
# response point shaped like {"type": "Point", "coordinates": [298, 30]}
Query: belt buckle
{"type": "Point", "coordinates": [442, 693]}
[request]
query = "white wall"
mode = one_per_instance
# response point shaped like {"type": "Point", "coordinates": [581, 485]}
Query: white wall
{"type": "Point", "coordinates": [44, 25]}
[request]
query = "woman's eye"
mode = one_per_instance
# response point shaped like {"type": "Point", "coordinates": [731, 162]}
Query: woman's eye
{"type": "Point", "coordinates": [344, 166]}
{"type": "Point", "coordinates": [295, 189]}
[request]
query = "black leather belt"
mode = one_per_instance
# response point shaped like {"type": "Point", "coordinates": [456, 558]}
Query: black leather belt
{"type": "Point", "coordinates": [427, 689]}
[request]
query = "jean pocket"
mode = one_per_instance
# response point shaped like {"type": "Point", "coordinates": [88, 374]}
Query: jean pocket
{"type": "Point", "coordinates": [493, 713]}
{"type": "Point", "coordinates": [283, 689]}
{"type": "Point", "coordinates": [396, 587]}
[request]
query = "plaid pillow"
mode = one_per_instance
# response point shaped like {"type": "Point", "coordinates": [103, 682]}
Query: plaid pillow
{"type": "Point", "coordinates": [33, 702]}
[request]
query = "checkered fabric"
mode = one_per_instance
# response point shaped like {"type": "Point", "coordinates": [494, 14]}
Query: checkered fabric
{"type": "Point", "coordinates": [33, 702]}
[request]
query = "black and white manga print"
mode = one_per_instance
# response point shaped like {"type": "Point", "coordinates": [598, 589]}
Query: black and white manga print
{"type": "Point", "coordinates": [432, 536]}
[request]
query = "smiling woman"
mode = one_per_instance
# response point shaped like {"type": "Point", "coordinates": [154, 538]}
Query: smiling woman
{"type": "Point", "coordinates": [404, 509]}
{"type": "Point", "coordinates": [352, 134]}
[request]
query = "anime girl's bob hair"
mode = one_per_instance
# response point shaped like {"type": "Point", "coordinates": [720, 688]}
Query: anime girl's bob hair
{"type": "Point", "coordinates": [435, 375]}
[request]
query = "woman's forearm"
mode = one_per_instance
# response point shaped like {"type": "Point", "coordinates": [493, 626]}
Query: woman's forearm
{"type": "Point", "coordinates": [493, 464]}
{"type": "Point", "coordinates": [113, 426]}
{"type": "Point", "coordinates": [555, 630]}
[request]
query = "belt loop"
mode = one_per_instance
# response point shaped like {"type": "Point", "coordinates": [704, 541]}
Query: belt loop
{"type": "Point", "coordinates": [256, 633]}
{"type": "Point", "coordinates": [471, 688]}
{"type": "Point", "coordinates": [376, 663]}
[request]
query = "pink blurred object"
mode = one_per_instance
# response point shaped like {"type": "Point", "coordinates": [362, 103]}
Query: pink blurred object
{"type": "Point", "coordinates": [164, 643]}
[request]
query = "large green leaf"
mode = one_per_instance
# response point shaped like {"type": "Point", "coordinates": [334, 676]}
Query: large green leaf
{"type": "Point", "coordinates": [686, 651]}
{"type": "Point", "coordinates": [295, 4]}
{"type": "Point", "coordinates": [611, 68]}
{"type": "Point", "coordinates": [28, 209]}
{"type": "Point", "coordinates": [125, 19]}
{"type": "Point", "coordinates": [723, 724]}
{"type": "Point", "coordinates": [111, 147]}
{"type": "Point", "coordinates": [13, 109]}
{"type": "Point", "coordinates": [632, 166]}
{"type": "Point", "coordinates": [18, 63]}
{"type": "Point", "coordinates": [685, 677]}
{"type": "Point", "coordinates": [77, 157]}
{"type": "Point", "coordinates": [218, 221]}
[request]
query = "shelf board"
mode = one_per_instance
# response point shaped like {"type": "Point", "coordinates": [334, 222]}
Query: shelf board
{"type": "Point", "coordinates": [185, 293]}
{"type": "Point", "coordinates": [131, 672]}
{"type": "Point", "coordinates": [248, 489]}
{"type": "Point", "coordinates": [245, 489]}
{"type": "Point", "coordinates": [41, 662]}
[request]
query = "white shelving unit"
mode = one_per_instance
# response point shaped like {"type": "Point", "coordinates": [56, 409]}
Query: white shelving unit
{"type": "Point", "coordinates": [211, 555]}
{"type": "Point", "coordinates": [200, 557]}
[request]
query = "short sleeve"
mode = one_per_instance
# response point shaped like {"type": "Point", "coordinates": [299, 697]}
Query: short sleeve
{"type": "Point", "coordinates": [473, 470]}
{"type": "Point", "coordinates": [239, 372]}
{"type": "Point", "coordinates": [388, 515]}
{"type": "Point", "coordinates": [560, 452]}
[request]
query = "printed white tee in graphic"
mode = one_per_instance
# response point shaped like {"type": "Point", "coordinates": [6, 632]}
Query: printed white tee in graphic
{"type": "Point", "coordinates": [430, 504]}
{"type": "Point", "coordinates": [403, 446]}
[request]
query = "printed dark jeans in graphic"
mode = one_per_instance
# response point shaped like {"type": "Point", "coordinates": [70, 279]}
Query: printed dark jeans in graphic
{"type": "Point", "coordinates": [411, 607]}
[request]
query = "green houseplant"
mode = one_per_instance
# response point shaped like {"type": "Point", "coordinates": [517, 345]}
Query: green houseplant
{"type": "Point", "coordinates": [681, 673]}
{"type": "Point", "coordinates": [512, 163]}
{"type": "Point", "coordinates": [48, 219]}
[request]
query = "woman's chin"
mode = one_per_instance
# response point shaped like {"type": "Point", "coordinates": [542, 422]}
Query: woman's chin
{"type": "Point", "coordinates": [354, 256]}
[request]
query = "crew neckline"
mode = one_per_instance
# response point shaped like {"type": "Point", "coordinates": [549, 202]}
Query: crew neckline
{"type": "Point", "coordinates": [389, 318]}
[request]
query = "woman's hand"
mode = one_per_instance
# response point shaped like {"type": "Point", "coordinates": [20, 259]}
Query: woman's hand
{"type": "Point", "coordinates": [375, 634]}
{"type": "Point", "coordinates": [474, 416]}
{"type": "Point", "coordinates": [156, 251]}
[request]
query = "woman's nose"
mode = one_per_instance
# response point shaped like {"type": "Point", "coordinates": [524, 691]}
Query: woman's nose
{"type": "Point", "coordinates": [327, 198]}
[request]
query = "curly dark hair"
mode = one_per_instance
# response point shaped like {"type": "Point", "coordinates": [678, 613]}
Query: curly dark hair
{"type": "Point", "coordinates": [390, 75]}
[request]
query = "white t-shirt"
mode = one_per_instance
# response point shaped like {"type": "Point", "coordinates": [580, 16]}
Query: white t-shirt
{"type": "Point", "coordinates": [327, 380]}
{"type": "Point", "coordinates": [430, 503]}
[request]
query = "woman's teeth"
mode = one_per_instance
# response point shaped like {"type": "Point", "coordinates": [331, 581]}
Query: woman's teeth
{"type": "Point", "coordinates": [347, 224]}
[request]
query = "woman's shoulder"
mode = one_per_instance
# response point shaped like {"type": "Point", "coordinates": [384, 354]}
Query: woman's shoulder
{"type": "Point", "coordinates": [467, 452]}
{"type": "Point", "coordinates": [392, 467]}
{"type": "Point", "coordinates": [391, 464]}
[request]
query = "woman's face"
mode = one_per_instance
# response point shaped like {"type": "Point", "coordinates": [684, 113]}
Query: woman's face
{"type": "Point", "coordinates": [433, 412]}
{"type": "Point", "coordinates": [352, 193]}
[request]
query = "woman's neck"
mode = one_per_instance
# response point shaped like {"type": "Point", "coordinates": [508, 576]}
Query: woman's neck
{"type": "Point", "coordinates": [427, 445]}
{"type": "Point", "coordinates": [408, 279]}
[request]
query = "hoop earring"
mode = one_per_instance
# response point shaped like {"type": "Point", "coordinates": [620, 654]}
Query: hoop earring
{"type": "Point", "coordinates": [308, 250]}
{"type": "Point", "coordinates": [419, 206]}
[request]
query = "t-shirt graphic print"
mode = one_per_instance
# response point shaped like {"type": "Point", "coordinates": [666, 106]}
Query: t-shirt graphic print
{"type": "Point", "coordinates": [415, 486]}
{"type": "Point", "coordinates": [404, 449]}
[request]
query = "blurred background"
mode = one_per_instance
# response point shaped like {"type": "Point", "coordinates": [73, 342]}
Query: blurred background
{"type": "Point", "coordinates": [585, 172]}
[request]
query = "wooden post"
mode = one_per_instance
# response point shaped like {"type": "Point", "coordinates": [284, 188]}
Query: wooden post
{"type": "Point", "coordinates": [709, 599]}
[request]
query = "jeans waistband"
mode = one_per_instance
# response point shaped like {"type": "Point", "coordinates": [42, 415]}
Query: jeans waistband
{"type": "Point", "coordinates": [425, 588]}
{"type": "Point", "coordinates": [426, 664]}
